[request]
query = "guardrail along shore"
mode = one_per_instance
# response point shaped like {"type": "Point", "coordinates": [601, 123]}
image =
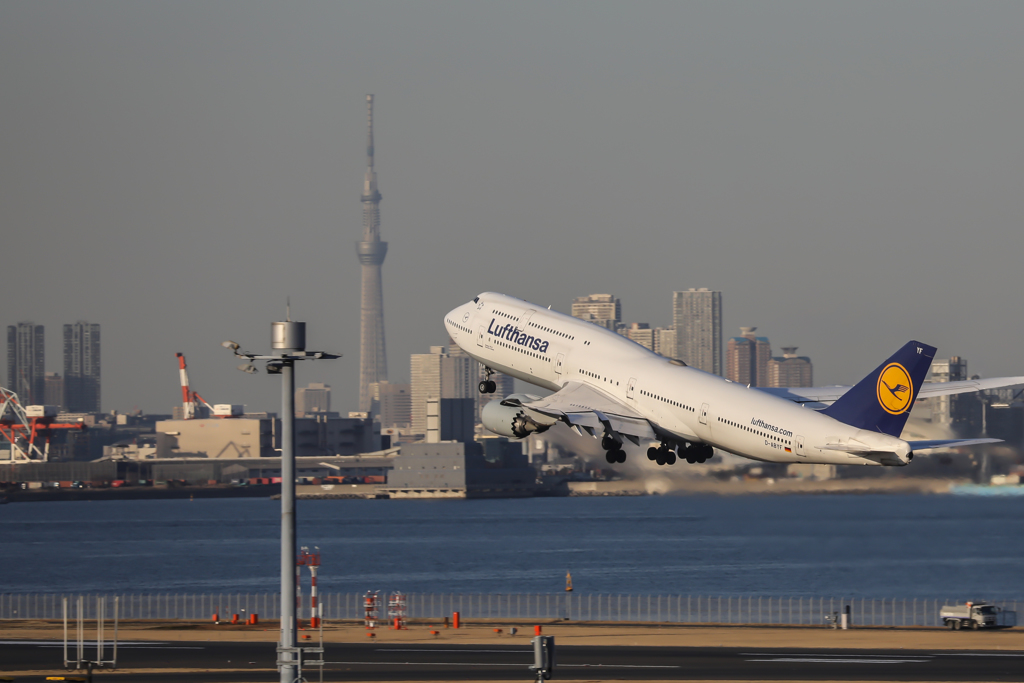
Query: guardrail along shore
{"type": "Point", "coordinates": [582, 607]}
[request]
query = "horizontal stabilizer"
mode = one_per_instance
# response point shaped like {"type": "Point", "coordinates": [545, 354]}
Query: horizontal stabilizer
{"type": "Point", "coordinates": [948, 443]}
{"type": "Point", "coordinates": [856, 448]}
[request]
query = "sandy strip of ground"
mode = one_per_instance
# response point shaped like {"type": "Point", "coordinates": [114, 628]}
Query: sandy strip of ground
{"type": "Point", "coordinates": [566, 633]}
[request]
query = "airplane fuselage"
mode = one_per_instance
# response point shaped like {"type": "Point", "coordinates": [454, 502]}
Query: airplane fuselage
{"type": "Point", "coordinates": [548, 349]}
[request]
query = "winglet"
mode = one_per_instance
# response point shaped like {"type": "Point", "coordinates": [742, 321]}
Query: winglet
{"type": "Point", "coordinates": [881, 402]}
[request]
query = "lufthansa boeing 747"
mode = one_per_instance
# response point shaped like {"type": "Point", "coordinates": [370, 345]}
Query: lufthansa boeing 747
{"type": "Point", "coordinates": [611, 388]}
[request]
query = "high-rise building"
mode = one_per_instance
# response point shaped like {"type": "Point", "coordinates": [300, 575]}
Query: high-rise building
{"type": "Point", "coordinates": [665, 341]}
{"type": "Point", "coordinates": [790, 370]}
{"type": "Point", "coordinates": [439, 375]}
{"type": "Point", "coordinates": [641, 333]}
{"type": "Point", "coordinates": [53, 389]}
{"type": "Point", "coordinates": [601, 309]}
{"type": "Point", "coordinates": [26, 362]}
{"type": "Point", "coordinates": [950, 410]}
{"type": "Point", "coordinates": [395, 401]}
{"type": "Point", "coordinates": [697, 319]}
{"type": "Point", "coordinates": [82, 367]}
{"type": "Point", "coordinates": [373, 362]}
{"type": "Point", "coordinates": [747, 358]}
{"type": "Point", "coordinates": [314, 398]}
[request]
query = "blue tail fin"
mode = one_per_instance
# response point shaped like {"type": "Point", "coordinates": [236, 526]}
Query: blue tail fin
{"type": "Point", "coordinates": [881, 402]}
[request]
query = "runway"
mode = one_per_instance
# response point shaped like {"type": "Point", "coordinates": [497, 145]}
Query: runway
{"type": "Point", "coordinates": [249, 661]}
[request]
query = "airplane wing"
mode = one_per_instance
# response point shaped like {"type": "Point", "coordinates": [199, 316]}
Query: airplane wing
{"type": "Point", "coordinates": [586, 409]}
{"type": "Point", "coordinates": [824, 396]}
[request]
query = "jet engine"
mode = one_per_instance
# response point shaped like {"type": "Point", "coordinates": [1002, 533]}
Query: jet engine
{"type": "Point", "coordinates": [514, 421]}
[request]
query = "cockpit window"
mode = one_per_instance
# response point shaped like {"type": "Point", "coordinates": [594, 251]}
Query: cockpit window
{"type": "Point", "coordinates": [673, 361]}
{"type": "Point", "coordinates": [476, 299]}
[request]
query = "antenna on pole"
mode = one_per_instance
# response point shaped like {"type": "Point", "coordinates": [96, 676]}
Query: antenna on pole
{"type": "Point", "coordinates": [369, 131]}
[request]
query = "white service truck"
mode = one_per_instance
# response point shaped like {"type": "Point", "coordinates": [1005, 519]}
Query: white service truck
{"type": "Point", "coordinates": [976, 615]}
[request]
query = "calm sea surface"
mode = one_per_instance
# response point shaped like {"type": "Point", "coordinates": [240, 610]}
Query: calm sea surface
{"type": "Point", "coordinates": [857, 546]}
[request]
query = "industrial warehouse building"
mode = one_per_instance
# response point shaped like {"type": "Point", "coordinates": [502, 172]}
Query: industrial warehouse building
{"type": "Point", "coordinates": [251, 437]}
{"type": "Point", "coordinates": [493, 468]}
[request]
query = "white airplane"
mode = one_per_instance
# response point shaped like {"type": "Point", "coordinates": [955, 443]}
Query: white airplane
{"type": "Point", "coordinates": [610, 387]}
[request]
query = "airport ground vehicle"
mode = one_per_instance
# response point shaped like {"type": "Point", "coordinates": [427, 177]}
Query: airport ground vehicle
{"type": "Point", "coordinates": [976, 616]}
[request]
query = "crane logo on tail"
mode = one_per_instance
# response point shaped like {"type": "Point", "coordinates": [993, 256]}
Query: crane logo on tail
{"type": "Point", "coordinates": [895, 389]}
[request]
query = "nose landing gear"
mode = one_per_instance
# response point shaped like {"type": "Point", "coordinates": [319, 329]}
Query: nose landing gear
{"type": "Point", "coordinates": [487, 385]}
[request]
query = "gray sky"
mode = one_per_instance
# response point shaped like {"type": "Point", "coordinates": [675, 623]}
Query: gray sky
{"type": "Point", "coordinates": [848, 174]}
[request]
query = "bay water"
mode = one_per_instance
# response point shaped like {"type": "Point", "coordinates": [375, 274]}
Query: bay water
{"type": "Point", "coordinates": [905, 546]}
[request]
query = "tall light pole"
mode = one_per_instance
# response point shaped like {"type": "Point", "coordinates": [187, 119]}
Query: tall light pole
{"type": "Point", "coordinates": [288, 340]}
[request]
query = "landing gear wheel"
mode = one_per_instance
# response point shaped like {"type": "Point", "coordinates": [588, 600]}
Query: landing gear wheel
{"type": "Point", "coordinates": [612, 457]}
{"type": "Point", "coordinates": [670, 458]}
{"type": "Point", "coordinates": [660, 457]}
{"type": "Point", "coordinates": [609, 444]}
{"type": "Point", "coordinates": [487, 385]}
{"type": "Point", "coordinates": [652, 453]}
{"type": "Point", "coordinates": [620, 455]}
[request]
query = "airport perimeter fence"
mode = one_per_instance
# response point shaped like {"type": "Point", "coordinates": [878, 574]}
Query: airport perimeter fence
{"type": "Point", "coordinates": [676, 609]}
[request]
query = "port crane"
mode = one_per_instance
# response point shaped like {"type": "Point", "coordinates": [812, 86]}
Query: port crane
{"type": "Point", "coordinates": [25, 426]}
{"type": "Point", "coordinates": [189, 399]}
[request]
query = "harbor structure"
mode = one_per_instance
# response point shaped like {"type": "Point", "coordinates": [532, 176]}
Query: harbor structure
{"type": "Point", "coordinates": [373, 362]}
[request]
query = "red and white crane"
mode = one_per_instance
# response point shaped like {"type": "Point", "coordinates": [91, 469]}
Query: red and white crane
{"type": "Point", "coordinates": [189, 398]}
{"type": "Point", "coordinates": [25, 426]}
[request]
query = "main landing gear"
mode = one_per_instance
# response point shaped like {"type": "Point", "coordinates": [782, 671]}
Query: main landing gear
{"type": "Point", "coordinates": [614, 453]}
{"type": "Point", "coordinates": [663, 454]}
{"type": "Point", "coordinates": [487, 385]}
{"type": "Point", "coordinates": [695, 453]}
{"type": "Point", "coordinates": [692, 453]}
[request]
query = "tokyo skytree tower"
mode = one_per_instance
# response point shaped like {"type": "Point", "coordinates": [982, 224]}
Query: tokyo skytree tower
{"type": "Point", "coordinates": [373, 361]}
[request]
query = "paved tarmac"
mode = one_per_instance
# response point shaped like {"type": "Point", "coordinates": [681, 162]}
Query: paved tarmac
{"type": "Point", "coordinates": [249, 662]}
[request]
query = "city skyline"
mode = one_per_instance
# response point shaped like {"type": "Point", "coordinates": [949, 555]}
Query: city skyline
{"type": "Point", "coordinates": [835, 170]}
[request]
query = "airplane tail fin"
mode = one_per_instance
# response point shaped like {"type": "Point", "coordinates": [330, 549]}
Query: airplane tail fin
{"type": "Point", "coordinates": [881, 402]}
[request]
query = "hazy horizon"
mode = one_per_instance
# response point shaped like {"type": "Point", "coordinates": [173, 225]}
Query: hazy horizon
{"type": "Point", "coordinates": [847, 174]}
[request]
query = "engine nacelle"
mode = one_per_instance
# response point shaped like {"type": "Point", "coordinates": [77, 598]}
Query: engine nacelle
{"type": "Point", "coordinates": [514, 421]}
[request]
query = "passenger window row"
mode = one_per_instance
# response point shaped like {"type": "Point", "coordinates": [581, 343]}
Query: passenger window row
{"type": "Point", "coordinates": [677, 404]}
